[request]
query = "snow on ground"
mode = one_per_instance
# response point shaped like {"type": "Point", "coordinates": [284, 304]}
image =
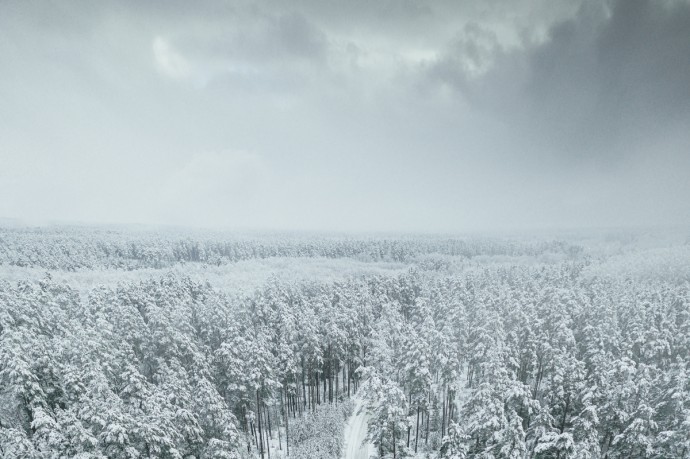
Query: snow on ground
{"type": "Point", "coordinates": [239, 277]}
{"type": "Point", "coordinates": [355, 434]}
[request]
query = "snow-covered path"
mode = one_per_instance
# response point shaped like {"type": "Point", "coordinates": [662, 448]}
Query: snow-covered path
{"type": "Point", "coordinates": [355, 434]}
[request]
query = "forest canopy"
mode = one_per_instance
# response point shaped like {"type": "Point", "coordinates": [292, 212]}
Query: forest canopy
{"type": "Point", "coordinates": [577, 347]}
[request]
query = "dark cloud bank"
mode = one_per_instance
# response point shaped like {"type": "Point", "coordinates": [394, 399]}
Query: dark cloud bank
{"type": "Point", "coordinates": [435, 116]}
{"type": "Point", "coordinates": [615, 75]}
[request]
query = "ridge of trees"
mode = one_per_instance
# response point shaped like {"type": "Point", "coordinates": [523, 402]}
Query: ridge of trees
{"type": "Point", "coordinates": [89, 248]}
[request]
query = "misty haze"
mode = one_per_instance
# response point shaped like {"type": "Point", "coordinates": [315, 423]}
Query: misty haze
{"type": "Point", "coordinates": [235, 229]}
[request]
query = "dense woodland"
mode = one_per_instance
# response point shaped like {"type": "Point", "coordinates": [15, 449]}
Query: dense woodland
{"type": "Point", "coordinates": [563, 357]}
{"type": "Point", "coordinates": [72, 248]}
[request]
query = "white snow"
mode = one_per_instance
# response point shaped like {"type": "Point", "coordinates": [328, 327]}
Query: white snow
{"type": "Point", "coordinates": [356, 433]}
{"type": "Point", "coordinates": [241, 277]}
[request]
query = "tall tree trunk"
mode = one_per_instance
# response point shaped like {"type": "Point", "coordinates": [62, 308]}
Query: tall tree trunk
{"type": "Point", "coordinates": [443, 413]}
{"type": "Point", "coordinates": [330, 382]}
{"type": "Point", "coordinates": [394, 440]}
{"type": "Point", "coordinates": [246, 429]}
{"type": "Point", "coordinates": [449, 407]}
{"type": "Point", "coordinates": [304, 389]}
{"type": "Point", "coordinates": [540, 373]}
{"type": "Point", "coordinates": [268, 446]}
{"type": "Point", "coordinates": [283, 416]}
{"type": "Point", "coordinates": [349, 376]}
{"type": "Point", "coordinates": [426, 437]}
{"type": "Point", "coordinates": [287, 432]}
{"type": "Point", "coordinates": [318, 395]}
{"type": "Point", "coordinates": [258, 414]}
{"type": "Point", "coordinates": [268, 418]}
{"type": "Point", "coordinates": [416, 431]}
{"type": "Point", "coordinates": [337, 377]}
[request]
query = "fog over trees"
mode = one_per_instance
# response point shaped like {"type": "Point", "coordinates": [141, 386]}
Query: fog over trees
{"type": "Point", "coordinates": [355, 229]}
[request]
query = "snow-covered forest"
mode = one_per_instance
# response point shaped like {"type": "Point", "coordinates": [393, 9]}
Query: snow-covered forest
{"type": "Point", "coordinates": [455, 347]}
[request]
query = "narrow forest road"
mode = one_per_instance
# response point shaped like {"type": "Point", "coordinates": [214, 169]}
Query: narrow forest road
{"type": "Point", "coordinates": [356, 433]}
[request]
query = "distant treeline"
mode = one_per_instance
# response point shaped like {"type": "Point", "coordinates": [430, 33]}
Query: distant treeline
{"type": "Point", "coordinates": [86, 248]}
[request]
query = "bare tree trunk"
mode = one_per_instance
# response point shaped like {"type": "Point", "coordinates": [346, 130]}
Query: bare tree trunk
{"type": "Point", "coordinates": [349, 376]}
{"type": "Point", "coordinates": [426, 438]}
{"type": "Point", "coordinates": [443, 413]}
{"type": "Point", "coordinates": [304, 390]}
{"type": "Point", "coordinates": [268, 418]}
{"type": "Point", "coordinates": [247, 431]}
{"type": "Point", "coordinates": [270, 433]}
{"type": "Point", "coordinates": [393, 441]}
{"type": "Point", "coordinates": [330, 382]}
{"type": "Point", "coordinates": [450, 407]}
{"type": "Point", "coordinates": [416, 431]}
{"type": "Point", "coordinates": [268, 445]}
{"type": "Point", "coordinates": [258, 413]}
{"type": "Point", "coordinates": [287, 432]}
{"type": "Point", "coordinates": [337, 377]}
{"type": "Point", "coordinates": [280, 421]}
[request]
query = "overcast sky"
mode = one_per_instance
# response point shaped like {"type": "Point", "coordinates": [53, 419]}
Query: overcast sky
{"type": "Point", "coordinates": [350, 115]}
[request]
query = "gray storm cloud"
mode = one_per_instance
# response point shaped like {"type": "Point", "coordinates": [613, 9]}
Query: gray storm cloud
{"type": "Point", "coordinates": [614, 73]}
{"type": "Point", "coordinates": [434, 116]}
